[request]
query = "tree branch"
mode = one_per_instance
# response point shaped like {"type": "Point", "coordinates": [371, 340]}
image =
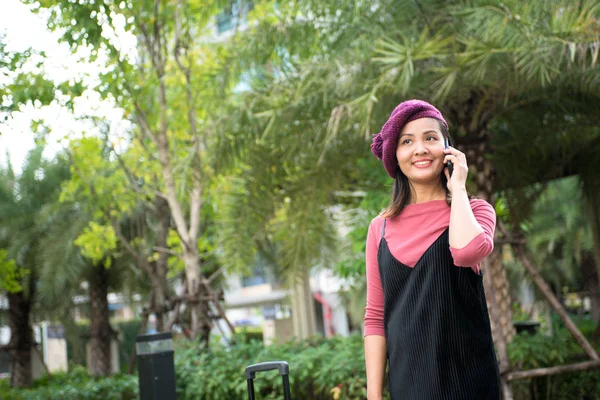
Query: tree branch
{"type": "Point", "coordinates": [561, 369]}
{"type": "Point", "coordinates": [140, 138]}
{"type": "Point", "coordinates": [162, 142]}
{"type": "Point", "coordinates": [520, 253]}
{"type": "Point", "coordinates": [195, 208]}
{"type": "Point", "coordinates": [145, 36]}
{"type": "Point", "coordinates": [131, 177]}
{"type": "Point", "coordinates": [555, 303]}
{"type": "Point", "coordinates": [160, 67]}
{"type": "Point", "coordinates": [178, 41]}
{"type": "Point", "coordinates": [140, 115]}
{"type": "Point", "coordinates": [215, 274]}
{"type": "Point", "coordinates": [166, 251]}
{"type": "Point", "coordinates": [196, 195]}
{"type": "Point", "coordinates": [143, 121]}
{"type": "Point", "coordinates": [174, 318]}
{"type": "Point", "coordinates": [129, 174]}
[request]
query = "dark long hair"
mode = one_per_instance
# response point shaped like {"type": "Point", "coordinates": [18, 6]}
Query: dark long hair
{"type": "Point", "coordinates": [401, 191]}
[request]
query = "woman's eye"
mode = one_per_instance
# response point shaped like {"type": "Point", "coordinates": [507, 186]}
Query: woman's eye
{"type": "Point", "coordinates": [406, 141]}
{"type": "Point", "coordinates": [431, 138]}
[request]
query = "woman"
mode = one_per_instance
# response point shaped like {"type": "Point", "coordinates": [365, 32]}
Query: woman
{"type": "Point", "coordinates": [426, 311]}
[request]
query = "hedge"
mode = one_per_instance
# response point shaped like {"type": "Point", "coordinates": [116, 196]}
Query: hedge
{"type": "Point", "coordinates": [75, 385]}
{"type": "Point", "coordinates": [319, 369]}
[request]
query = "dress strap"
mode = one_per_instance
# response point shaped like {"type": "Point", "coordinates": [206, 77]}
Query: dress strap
{"type": "Point", "coordinates": [383, 228]}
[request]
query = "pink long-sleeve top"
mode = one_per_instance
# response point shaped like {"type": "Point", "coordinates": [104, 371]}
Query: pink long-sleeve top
{"type": "Point", "coordinates": [409, 235]}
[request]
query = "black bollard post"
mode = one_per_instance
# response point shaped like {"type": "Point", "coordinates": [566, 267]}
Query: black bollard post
{"type": "Point", "coordinates": [156, 369]}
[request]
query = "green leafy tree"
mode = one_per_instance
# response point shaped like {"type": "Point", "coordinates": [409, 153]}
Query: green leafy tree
{"type": "Point", "coordinates": [24, 200]}
{"type": "Point", "coordinates": [346, 65]}
{"type": "Point", "coordinates": [169, 85]}
{"type": "Point", "coordinates": [570, 150]}
{"type": "Point", "coordinates": [560, 239]}
{"type": "Point", "coordinates": [127, 216]}
{"type": "Point", "coordinates": [10, 274]}
{"type": "Point", "coordinates": [72, 267]}
{"type": "Point", "coordinates": [19, 87]}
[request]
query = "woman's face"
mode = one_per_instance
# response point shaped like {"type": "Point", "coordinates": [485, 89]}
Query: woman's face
{"type": "Point", "coordinates": [420, 150]}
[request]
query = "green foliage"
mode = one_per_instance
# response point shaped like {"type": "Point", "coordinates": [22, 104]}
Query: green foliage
{"type": "Point", "coordinates": [21, 87]}
{"type": "Point", "coordinates": [169, 94]}
{"type": "Point", "coordinates": [301, 133]}
{"type": "Point", "coordinates": [558, 232]}
{"type": "Point", "coordinates": [97, 180]}
{"type": "Point", "coordinates": [76, 385]}
{"type": "Point", "coordinates": [536, 351]}
{"type": "Point", "coordinates": [96, 241]}
{"type": "Point", "coordinates": [10, 274]}
{"type": "Point", "coordinates": [25, 81]}
{"type": "Point", "coordinates": [26, 206]}
{"type": "Point", "coordinates": [317, 367]}
{"type": "Point", "coordinates": [528, 351]}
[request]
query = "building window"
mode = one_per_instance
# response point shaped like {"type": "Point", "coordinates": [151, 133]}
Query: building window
{"type": "Point", "coordinates": [258, 277]}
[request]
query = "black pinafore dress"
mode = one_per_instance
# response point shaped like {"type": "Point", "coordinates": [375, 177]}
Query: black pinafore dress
{"type": "Point", "coordinates": [437, 328]}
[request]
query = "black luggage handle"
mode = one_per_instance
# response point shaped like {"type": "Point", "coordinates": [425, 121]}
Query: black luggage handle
{"type": "Point", "coordinates": [283, 369]}
{"type": "Point", "coordinates": [282, 366]}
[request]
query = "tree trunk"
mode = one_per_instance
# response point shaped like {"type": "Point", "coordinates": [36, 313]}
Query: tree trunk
{"type": "Point", "coordinates": [21, 339]}
{"type": "Point", "coordinates": [159, 277]}
{"type": "Point", "coordinates": [494, 276]}
{"type": "Point", "coordinates": [100, 330]}
{"type": "Point", "coordinates": [498, 303]}
{"type": "Point", "coordinates": [157, 303]}
{"type": "Point", "coordinates": [495, 283]}
{"type": "Point", "coordinates": [200, 310]}
{"type": "Point", "coordinates": [303, 307]}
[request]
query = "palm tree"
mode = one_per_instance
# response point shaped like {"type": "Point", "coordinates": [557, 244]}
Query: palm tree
{"type": "Point", "coordinates": [346, 65]}
{"type": "Point", "coordinates": [65, 270]}
{"type": "Point", "coordinates": [23, 201]}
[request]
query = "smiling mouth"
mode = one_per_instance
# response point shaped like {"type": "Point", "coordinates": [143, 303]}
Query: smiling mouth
{"type": "Point", "coordinates": [422, 164]}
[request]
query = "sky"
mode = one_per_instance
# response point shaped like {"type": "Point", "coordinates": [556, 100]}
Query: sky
{"type": "Point", "coordinates": [24, 29]}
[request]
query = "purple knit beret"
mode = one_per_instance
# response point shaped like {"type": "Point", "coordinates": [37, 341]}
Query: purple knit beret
{"type": "Point", "coordinates": [385, 142]}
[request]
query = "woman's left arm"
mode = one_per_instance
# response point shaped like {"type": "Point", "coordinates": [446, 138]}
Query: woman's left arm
{"type": "Point", "coordinates": [471, 233]}
{"type": "Point", "coordinates": [463, 224]}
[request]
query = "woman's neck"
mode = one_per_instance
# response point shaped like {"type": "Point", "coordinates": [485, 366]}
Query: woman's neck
{"type": "Point", "coordinates": [423, 194]}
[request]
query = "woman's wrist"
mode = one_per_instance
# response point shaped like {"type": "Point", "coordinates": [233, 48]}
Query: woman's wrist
{"type": "Point", "coordinates": [374, 396]}
{"type": "Point", "coordinates": [457, 191]}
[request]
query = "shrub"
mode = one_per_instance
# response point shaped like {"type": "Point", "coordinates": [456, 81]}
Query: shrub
{"type": "Point", "coordinates": [538, 351]}
{"type": "Point", "coordinates": [318, 367]}
{"type": "Point", "coordinates": [76, 385]}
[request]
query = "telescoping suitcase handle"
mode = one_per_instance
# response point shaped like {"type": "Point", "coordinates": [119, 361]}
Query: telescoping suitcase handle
{"type": "Point", "coordinates": [281, 366]}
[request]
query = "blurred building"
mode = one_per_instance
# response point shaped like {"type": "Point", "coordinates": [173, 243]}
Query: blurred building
{"type": "Point", "coordinates": [260, 301]}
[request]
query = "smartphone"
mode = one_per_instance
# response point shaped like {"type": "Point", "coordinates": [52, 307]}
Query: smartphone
{"type": "Point", "coordinates": [449, 163]}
